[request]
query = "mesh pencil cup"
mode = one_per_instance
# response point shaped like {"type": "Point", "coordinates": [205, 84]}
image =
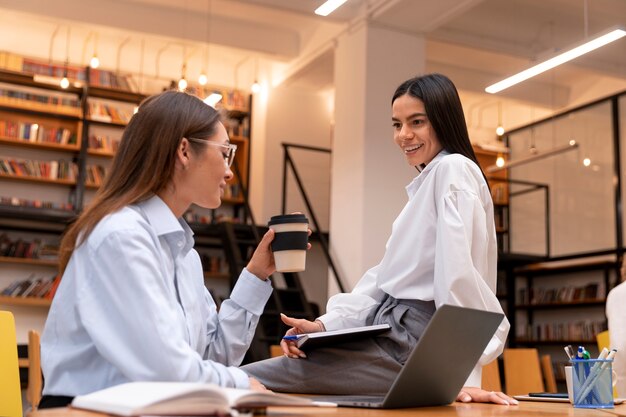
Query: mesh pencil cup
{"type": "Point", "coordinates": [593, 383]}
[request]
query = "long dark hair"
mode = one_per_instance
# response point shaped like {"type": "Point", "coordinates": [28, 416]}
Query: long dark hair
{"type": "Point", "coordinates": [145, 160]}
{"type": "Point", "coordinates": [444, 110]}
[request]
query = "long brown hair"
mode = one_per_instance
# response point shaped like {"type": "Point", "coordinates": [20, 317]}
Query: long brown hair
{"type": "Point", "coordinates": [145, 160]}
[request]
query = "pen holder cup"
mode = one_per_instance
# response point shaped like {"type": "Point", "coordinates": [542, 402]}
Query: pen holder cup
{"type": "Point", "coordinates": [593, 383]}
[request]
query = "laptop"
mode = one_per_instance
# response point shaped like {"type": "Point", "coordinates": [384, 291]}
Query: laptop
{"type": "Point", "coordinates": [440, 363]}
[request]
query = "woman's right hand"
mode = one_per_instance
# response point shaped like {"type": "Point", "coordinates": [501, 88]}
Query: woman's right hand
{"type": "Point", "coordinates": [298, 326]}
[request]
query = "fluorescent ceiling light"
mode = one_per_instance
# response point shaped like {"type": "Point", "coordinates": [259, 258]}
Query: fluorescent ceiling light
{"type": "Point", "coordinates": [577, 50]}
{"type": "Point", "coordinates": [328, 7]}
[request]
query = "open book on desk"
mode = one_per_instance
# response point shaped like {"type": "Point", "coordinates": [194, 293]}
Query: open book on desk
{"type": "Point", "coordinates": [306, 341]}
{"type": "Point", "coordinates": [183, 398]}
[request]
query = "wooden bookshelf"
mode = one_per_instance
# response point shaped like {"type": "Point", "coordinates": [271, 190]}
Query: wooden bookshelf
{"type": "Point", "coordinates": [25, 301]}
{"type": "Point", "coordinates": [4, 140]}
{"type": "Point", "coordinates": [37, 179]}
{"type": "Point", "coordinates": [28, 261]}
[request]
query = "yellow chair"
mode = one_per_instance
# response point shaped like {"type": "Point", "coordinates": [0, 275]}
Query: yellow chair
{"type": "Point", "coordinates": [491, 376]}
{"type": "Point", "coordinates": [522, 371]}
{"type": "Point", "coordinates": [604, 341]}
{"type": "Point", "coordinates": [10, 390]}
{"type": "Point", "coordinates": [548, 373]}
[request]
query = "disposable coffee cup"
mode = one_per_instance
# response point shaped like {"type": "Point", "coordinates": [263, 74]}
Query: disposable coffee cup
{"type": "Point", "coordinates": [290, 241]}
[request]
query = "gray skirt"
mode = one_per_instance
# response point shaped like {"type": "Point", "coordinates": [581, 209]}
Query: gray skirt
{"type": "Point", "coordinates": [362, 367]}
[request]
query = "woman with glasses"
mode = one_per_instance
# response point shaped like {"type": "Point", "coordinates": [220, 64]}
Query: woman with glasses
{"type": "Point", "coordinates": [132, 305]}
{"type": "Point", "coordinates": [442, 250]}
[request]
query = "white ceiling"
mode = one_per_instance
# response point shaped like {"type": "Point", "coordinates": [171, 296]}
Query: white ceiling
{"type": "Point", "coordinates": [477, 41]}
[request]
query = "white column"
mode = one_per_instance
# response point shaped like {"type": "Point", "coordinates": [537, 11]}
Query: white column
{"type": "Point", "coordinates": [369, 172]}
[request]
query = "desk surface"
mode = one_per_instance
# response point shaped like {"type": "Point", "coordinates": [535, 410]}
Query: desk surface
{"type": "Point", "coordinates": [525, 409]}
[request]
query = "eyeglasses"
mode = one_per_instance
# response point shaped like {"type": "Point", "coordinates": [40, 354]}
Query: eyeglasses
{"type": "Point", "coordinates": [229, 156]}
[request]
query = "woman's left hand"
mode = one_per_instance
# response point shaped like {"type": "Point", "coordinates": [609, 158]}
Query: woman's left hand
{"type": "Point", "coordinates": [478, 395]}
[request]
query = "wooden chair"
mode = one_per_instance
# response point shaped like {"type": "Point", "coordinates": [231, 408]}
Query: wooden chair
{"type": "Point", "coordinates": [491, 376]}
{"type": "Point", "coordinates": [33, 392]}
{"type": "Point", "coordinates": [548, 374]}
{"type": "Point", "coordinates": [10, 390]}
{"type": "Point", "coordinates": [522, 371]}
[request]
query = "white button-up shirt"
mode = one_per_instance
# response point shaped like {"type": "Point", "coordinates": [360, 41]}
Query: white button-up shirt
{"type": "Point", "coordinates": [132, 306]}
{"type": "Point", "coordinates": [442, 248]}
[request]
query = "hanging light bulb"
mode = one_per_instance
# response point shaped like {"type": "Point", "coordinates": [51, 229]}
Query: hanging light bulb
{"type": "Point", "coordinates": [499, 131]}
{"type": "Point", "coordinates": [586, 162]}
{"type": "Point", "coordinates": [64, 82]}
{"type": "Point", "coordinates": [202, 79]}
{"type": "Point", "coordinates": [256, 87]}
{"type": "Point", "coordinates": [182, 84]}
{"type": "Point", "coordinates": [94, 62]}
{"type": "Point", "coordinates": [500, 161]}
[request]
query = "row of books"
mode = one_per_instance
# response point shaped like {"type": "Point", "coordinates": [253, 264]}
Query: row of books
{"type": "Point", "coordinates": [97, 77]}
{"type": "Point", "coordinates": [581, 330]}
{"type": "Point", "coordinates": [193, 217]}
{"type": "Point", "coordinates": [22, 202]}
{"type": "Point", "coordinates": [110, 79]}
{"type": "Point", "coordinates": [54, 100]}
{"type": "Point", "coordinates": [33, 287]}
{"type": "Point", "coordinates": [566, 294]}
{"type": "Point", "coordinates": [55, 170]}
{"type": "Point", "coordinates": [104, 112]}
{"type": "Point", "coordinates": [237, 127]}
{"type": "Point", "coordinates": [500, 219]}
{"type": "Point", "coordinates": [37, 133]}
{"type": "Point", "coordinates": [95, 175]}
{"type": "Point", "coordinates": [234, 99]}
{"type": "Point", "coordinates": [232, 191]}
{"type": "Point", "coordinates": [104, 143]}
{"type": "Point", "coordinates": [30, 249]}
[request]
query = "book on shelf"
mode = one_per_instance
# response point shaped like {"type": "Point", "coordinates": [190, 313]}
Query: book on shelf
{"type": "Point", "coordinates": [61, 169]}
{"type": "Point", "coordinates": [37, 133]}
{"type": "Point", "coordinates": [32, 287]}
{"type": "Point", "coordinates": [182, 398]}
{"type": "Point", "coordinates": [22, 202]}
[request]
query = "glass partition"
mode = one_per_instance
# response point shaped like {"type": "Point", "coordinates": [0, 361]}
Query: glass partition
{"type": "Point", "coordinates": [580, 181]}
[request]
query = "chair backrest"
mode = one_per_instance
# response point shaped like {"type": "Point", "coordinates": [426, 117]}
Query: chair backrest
{"type": "Point", "coordinates": [491, 376]}
{"type": "Point", "coordinates": [602, 338]}
{"type": "Point", "coordinates": [548, 373]}
{"type": "Point", "coordinates": [10, 390]}
{"type": "Point", "coordinates": [604, 341]}
{"type": "Point", "coordinates": [522, 372]}
{"type": "Point", "coordinates": [33, 392]}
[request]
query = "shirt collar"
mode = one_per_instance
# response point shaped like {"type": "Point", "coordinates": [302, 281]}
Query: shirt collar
{"type": "Point", "coordinates": [177, 232]}
{"type": "Point", "coordinates": [411, 189]}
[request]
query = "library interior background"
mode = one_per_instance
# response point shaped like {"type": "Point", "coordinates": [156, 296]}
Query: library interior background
{"type": "Point", "coordinates": [307, 100]}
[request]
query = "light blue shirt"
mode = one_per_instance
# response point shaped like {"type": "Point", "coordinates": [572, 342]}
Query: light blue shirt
{"type": "Point", "coordinates": [132, 306]}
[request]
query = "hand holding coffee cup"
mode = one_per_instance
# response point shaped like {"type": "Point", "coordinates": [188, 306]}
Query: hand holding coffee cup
{"type": "Point", "coordinates": [291, 235]}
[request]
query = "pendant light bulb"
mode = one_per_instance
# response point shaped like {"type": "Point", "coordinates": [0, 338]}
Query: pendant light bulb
{"type": "Point", "coordinates": [182, 84]}
{"type": "Point", "coordinates": [500, 161]}
{"type": "Point", "coordinates": [94, 62]}
{"type": "Point", "coordinates": [64, 82]}
{"type": "Point", "coordinates": [256, 87]}
{"type": "Point", "coordinates": [202, 79]}
{"type": "Point", "coordinates": [499, 131]}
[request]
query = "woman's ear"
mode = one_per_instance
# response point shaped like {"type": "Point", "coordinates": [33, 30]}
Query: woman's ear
{"type": "Point", "coordinates": [183, 152]}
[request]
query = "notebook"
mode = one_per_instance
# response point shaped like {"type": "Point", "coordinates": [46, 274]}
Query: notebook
{"type": "Point", "coordinates": [440, 363]}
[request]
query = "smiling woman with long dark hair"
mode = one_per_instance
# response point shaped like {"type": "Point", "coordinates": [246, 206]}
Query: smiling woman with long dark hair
{"type": "Point", "coordinates": [442, 250]}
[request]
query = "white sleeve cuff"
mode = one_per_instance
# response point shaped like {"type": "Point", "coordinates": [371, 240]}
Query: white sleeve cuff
{"type": "Point", "coordinates": [251, 293]}
{"type": "Point", "coordinates": [475, 378]}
